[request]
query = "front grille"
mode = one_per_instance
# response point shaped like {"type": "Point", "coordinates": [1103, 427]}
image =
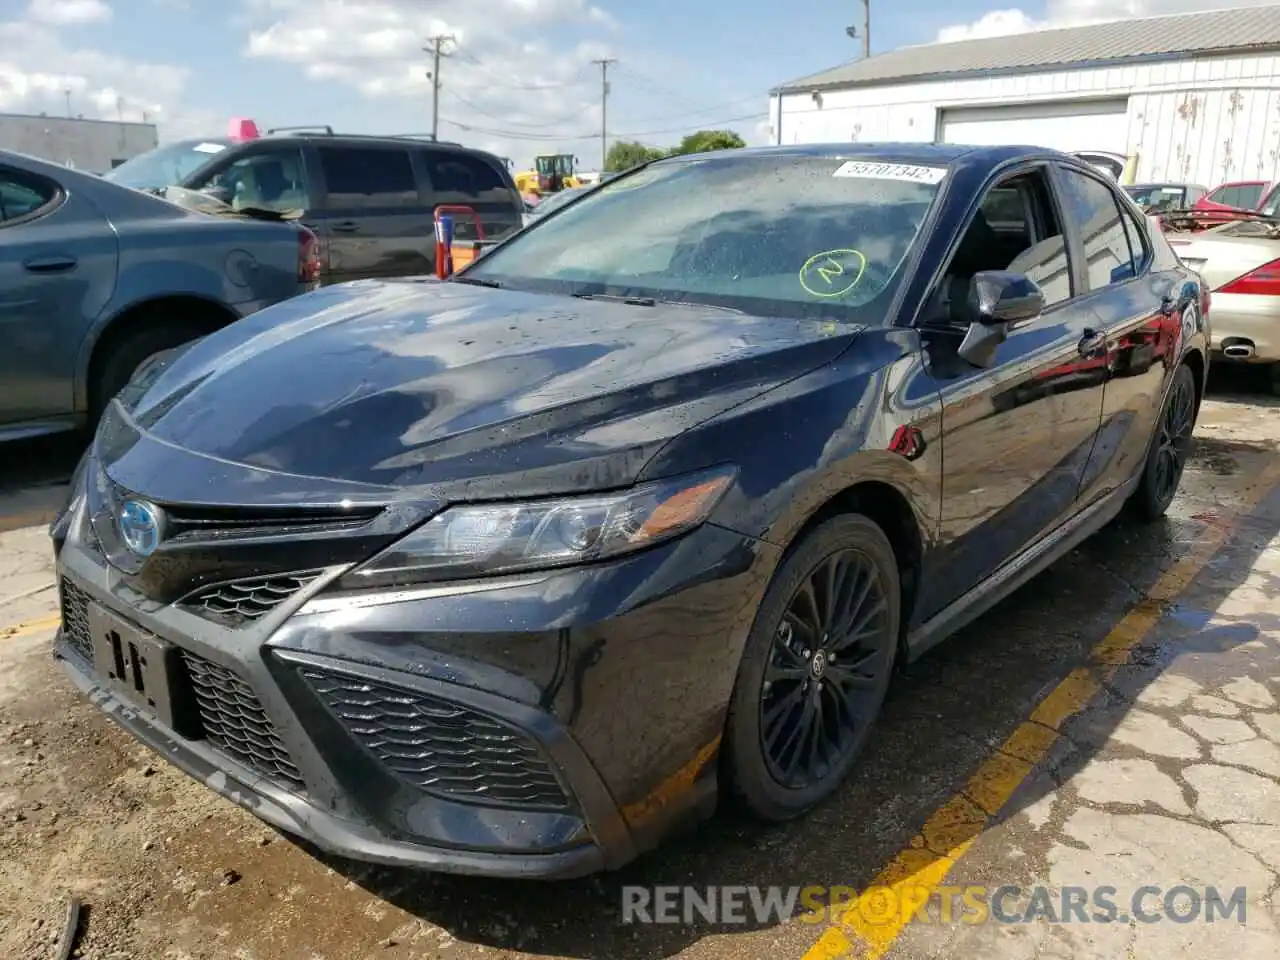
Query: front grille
{"type": "Point", "coordinates": [75, 619]}
{"type": "Point", "coordinates": [244, 601]}
{"type": "Point", "coordinates": [235, 722]}
{"type": "Point", "coordinates": [440, 747]}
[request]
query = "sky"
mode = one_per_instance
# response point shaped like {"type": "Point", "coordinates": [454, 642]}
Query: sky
{"type": "Point", "coordinates": [519, 77]}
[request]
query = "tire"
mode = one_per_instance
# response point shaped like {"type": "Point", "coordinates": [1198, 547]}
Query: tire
{"type": "Point", "coordinates": [1170, 447]}
{"type": "Point", "coordinates": [1274, 373]}
{"type": "Point", "coordinates": [755, 776]}
{"type": "Point", "coordinates": [124, 355]}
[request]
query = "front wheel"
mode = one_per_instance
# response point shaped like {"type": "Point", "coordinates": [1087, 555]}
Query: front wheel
{"type": "Point", "coordinates": [1170, 448]}
{"type": "Point", "coordinates": [123, 356]}
{"type": "Point", "coordinates": [815, 669]}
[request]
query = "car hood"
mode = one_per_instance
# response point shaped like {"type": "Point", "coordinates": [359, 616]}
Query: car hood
{"type": "Point", "coordinates": [467, 391]}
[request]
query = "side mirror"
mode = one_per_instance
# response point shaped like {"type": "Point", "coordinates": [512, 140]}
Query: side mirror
{"type": "Point", "coordinates": [999, 302]}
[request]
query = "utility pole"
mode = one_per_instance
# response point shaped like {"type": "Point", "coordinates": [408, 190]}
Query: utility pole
{"type": "Point", "coordinates": [435, 47]}
{"type": "Point", "coordinates": [604, 108]}
{"type": "Point", "coordinates": [852, 31]}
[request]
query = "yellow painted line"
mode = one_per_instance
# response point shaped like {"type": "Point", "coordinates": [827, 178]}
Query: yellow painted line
{"type": "Point", "coordinates": [867, 926]}
{"type": "Point", "coordinates": [30, 626]}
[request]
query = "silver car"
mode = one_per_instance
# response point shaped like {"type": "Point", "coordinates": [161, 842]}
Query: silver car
{"type": "Point", "coordinates": [1240, 261]}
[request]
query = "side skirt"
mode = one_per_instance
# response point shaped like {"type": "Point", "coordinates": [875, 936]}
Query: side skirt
{"type": "Point", "coordinates": [1018, 571]}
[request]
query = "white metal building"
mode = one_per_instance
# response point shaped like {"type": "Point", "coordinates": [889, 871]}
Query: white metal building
{"type": "Point", "coordinates": [1193, 98]}
{"type": "Point", "coordinates": [91, 145]}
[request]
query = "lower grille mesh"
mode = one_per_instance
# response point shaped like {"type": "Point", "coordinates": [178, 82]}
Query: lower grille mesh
{"type": "Point", "coordinates": [438, 746]}
{"type": "Point", "coordinates": [235, 722]}
{"type": "Point", "coordinates": [75, 619]}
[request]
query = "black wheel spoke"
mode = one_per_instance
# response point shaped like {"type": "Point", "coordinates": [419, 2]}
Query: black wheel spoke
{"type": "Point", "coordinates": [825, 674]}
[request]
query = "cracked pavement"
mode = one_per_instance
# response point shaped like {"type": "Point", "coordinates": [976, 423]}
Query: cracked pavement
{"type": "Point", "coordinates": [1167, 774]}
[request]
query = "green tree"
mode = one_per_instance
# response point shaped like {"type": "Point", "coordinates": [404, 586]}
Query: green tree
{"type": "Point", "coordinates": [626, 154]}
{"type": "Point", "coordinates": [706, 140]}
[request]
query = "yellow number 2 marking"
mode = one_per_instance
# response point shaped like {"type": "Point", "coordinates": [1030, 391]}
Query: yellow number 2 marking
{"type": "Point", "coordinates": [832, 273]}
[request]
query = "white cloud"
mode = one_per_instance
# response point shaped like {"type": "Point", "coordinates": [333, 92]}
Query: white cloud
{"type": "Point", "coordinates": [64, 12]}
{"type": "Point", "coordinates": [39, 72]}
{"type": "Point", "coordinates": [518, 75]}
{"type": "Point", "coordinates": [1074, 13]}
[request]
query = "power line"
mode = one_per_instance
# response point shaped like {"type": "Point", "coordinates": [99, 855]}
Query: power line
{"type": "Point", "coordinates": [435, 47]}
{"type": "Point", "coordinates": [604, 107]}
{"type": "Point", "coordinates": [638, 135]}
{"type": "Point", "coordinates": [516, 123]}
{"type": "Point", "coordinates": [689, 126]}
{"type": "Point", "coordinates": [516, 134]}
{"type": "Point", "coordinates": [673, 94]}
{"type": "Point", "coordinates": [506, 84]}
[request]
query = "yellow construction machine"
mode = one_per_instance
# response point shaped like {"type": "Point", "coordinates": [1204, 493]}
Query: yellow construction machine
{"type": "Point", "coordinates": [551, 174]}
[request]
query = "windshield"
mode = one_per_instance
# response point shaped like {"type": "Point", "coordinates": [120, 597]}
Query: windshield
{"type": "Point", "coordinates": [561, 164]}
{"type": "Point", "coordinates": [1159, 197]}
{"type": "Point", "coordinates": [1271, 205]}
{"type": "Point", "coordinates": [791, 236]}
{"type": "Point", "coordinates": [166, 166]}
{"type": "Point", "coordinates": [557, 200]}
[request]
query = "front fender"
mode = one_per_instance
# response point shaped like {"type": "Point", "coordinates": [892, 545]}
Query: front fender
{"type": "Point", "coordinates": [804, 443]}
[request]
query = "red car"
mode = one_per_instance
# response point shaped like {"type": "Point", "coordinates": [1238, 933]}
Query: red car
{"type": "Point", "coordinates": [1239, 195]}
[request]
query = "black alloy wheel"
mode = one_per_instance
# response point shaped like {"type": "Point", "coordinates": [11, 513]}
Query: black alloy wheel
{"type": "Point", "coordinates": [826, 654]}
{"type": "Point", "coordinates": [816, 669]}
{"type": "Point", "coordinates": [1170, 447]}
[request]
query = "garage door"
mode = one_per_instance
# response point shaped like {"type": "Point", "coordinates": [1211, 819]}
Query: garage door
{"type": "Point", "coordinates": [1074, 125]}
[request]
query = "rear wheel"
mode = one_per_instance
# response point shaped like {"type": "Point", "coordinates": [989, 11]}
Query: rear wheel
{"type": "Point", "coordinates": [1170, 448]}
{"type": "Point", "coordinates": [123, 355]}
{"type": "Point", "coordinates": [815, 670]}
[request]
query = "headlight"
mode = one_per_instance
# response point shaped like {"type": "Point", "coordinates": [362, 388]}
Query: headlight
{"type": "Point", "coordinates": [483, 539]}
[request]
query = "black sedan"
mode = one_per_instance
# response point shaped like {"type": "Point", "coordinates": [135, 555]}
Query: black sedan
{"type": "Point", "coordinates": [512, 573]}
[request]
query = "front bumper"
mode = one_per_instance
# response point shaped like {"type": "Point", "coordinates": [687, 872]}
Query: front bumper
{"type": "Point", "coordinates": [586, 704]}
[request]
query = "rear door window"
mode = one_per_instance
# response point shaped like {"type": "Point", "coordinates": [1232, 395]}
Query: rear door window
{"type": "Point", "coordinates": [366, 177]}
{"type": "Point", "coordinates": [1096, 212]}
{"type": "Point", "coordinates": [22, 196]}
{"type": "Point", "coordinates": [1245, 196]}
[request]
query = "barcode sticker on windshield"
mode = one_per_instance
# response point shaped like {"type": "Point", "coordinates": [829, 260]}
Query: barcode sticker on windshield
{"type": "Point", "coordinates": [209, 148]}
{"type": "Point", "coordinates": [890, 171]}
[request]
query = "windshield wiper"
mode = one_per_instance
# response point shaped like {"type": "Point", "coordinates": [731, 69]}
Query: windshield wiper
{"type": "Point", "coordinates": [477, 282]}
{"type": "Point", "coordinates": [633, 301]}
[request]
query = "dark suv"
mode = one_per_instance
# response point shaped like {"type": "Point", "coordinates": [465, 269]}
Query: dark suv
{"type": "Point", "coordinates": [370, 200]}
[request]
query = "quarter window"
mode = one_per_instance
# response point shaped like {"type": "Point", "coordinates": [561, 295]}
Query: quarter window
{"type": "Point", "coordinates": [362, 177]}
{"type": "Point", "coordinates": [461, 178]}
{"type": "Point", "coordinates": [21, 195]}
{"type": "Point", "coordinates": [1093, 208]}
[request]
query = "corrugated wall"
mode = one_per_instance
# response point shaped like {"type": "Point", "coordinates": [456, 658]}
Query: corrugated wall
{"type": "Point", "coordinates": [91, 145]}
{"type": "Point", "coordinates": [1204, 121]}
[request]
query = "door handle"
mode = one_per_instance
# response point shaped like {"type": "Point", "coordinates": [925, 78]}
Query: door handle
{"type": "Point", "coordinates": [346, 226]}
{"type": "Point", "coordinates": [55, 264]}
{"type": "Point", "coordinates": [1092, 342]}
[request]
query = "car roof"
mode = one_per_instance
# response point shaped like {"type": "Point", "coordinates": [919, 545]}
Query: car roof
{"type": "Point", "coordinates": [348, 139]}
{"type": "Point", "coordinates": [924, 154]}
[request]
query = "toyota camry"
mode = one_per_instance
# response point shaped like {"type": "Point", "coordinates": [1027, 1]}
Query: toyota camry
{"type": "Point", "coordinates": [514, 572]}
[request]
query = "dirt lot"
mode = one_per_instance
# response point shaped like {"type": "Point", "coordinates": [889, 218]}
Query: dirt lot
{"type": "Point", "coordinates": [167, 869]}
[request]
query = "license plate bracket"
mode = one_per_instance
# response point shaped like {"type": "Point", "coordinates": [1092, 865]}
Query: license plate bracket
{"type": "Point", "coordinates": [134, 664]}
